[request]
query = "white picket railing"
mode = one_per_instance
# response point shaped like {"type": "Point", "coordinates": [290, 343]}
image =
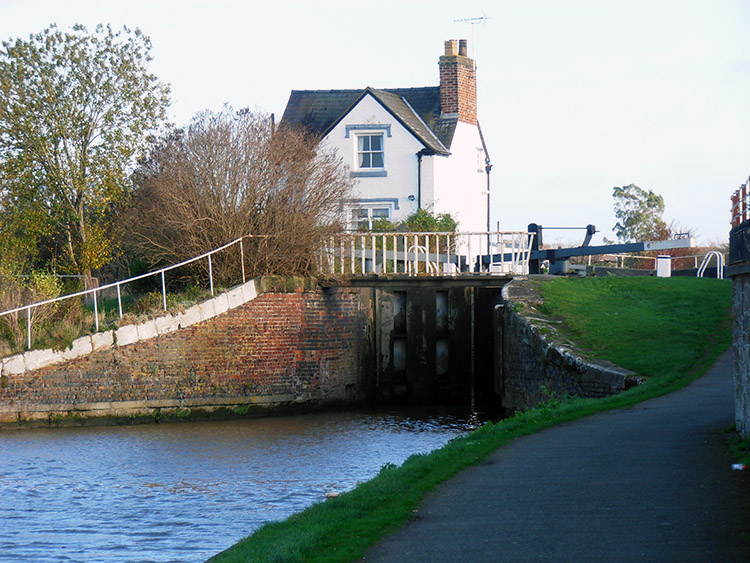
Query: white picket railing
{"type": "Point", "coordinates": [431, 254]}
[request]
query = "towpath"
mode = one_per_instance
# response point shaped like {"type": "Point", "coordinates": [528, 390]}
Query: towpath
{"type": "Point", "coordinates": [648, 483]}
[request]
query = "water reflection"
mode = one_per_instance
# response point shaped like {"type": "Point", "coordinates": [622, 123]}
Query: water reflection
{"type": "Point", "coordinates": [183, 492]}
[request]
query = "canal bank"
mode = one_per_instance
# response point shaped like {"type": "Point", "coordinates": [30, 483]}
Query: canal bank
{"type": "Point", "coordinates": [276, 345]}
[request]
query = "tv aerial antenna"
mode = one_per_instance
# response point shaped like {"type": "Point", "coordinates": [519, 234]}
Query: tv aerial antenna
{"type": "Point", "coordinates": [474, 22]}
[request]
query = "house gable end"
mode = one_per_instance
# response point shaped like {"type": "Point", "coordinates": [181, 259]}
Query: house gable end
{"type": "Point", "coordinates": [416, 109]}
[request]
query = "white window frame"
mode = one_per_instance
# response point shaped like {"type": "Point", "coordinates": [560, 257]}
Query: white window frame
{"type": "Point", "coordinates": [369, 151]}
{"type": "Point", "coordinates": [356, 132]}
{"type": "Point", "coordinates": [373, 213]}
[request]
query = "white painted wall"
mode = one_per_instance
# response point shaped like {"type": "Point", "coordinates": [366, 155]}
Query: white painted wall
{"type": "Point", "coordinates": [455, 184]}
{"type": "Point", "coordinates": [461, 180]}
{"type": "Point", "coordinates": [400, 157]}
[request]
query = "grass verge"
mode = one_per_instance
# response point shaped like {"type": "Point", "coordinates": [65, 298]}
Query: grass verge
{"type": "Point", "coordinates": [670, 330]}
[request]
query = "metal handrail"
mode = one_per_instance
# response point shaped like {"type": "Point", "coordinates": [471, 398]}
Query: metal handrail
{"type": "Point", "coordinates": [117, 284]}
{"type": "Point", "coordinates": [694, 257]}
{"type": "Point", "coordinates": [719, 264]}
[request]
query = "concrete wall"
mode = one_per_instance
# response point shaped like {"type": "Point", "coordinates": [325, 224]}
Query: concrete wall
{"type": "Point", "coordinates": [534, 366]}
{"type": "Point", "coordinates": [281, 349]}
{"type": "Point", "coordinates": [739, 272]}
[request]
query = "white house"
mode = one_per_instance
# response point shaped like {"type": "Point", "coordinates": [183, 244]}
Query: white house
{"type": "Point", "coordinates": [407, 147]}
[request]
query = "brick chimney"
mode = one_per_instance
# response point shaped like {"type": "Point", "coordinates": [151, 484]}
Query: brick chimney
{"type": "Point", "coordinates": [458, 82]}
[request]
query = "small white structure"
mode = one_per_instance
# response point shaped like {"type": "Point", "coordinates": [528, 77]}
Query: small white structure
{"type": "Point", "coordinates": [664, 266]}
{"type": "Point", "coordinates": [409, 148]}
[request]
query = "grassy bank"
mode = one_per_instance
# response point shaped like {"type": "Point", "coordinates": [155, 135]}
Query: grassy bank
{"type": "Point", "coordinates": [670, 330]}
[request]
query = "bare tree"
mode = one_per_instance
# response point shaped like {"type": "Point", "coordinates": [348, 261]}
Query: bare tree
{"type": "Point", "coordinates": [230, 174]}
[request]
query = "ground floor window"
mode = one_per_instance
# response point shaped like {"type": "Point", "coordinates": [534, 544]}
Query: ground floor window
{"type": "Point", "coordinates": [363, 217]}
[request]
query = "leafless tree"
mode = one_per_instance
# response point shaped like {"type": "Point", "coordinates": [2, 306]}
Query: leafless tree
{"type": "Point", "coordinates": [231, 174]}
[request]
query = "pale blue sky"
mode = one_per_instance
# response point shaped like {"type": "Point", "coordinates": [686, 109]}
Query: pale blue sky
{"type": "Point", "coordinates": [575, 97]}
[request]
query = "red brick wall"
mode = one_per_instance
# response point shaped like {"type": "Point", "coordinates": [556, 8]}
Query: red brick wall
{"type": "Point", "coordinates": [280, 348]}
{"type": "Point", "coordinates": [458, 88]}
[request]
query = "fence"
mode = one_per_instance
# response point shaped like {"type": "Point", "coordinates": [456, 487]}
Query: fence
{"type": "Point", "coordinates": [354, 253]}
{"type": "Point", "coordinates": [119, 284]}
{"type": "Point", "coordinates": [678, 262]}
{"type": "Point", "coordinates": [741, 204]}
{"type": "Point", "coordinates": [436, 253]}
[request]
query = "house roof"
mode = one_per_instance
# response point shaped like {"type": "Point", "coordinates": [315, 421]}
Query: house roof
{"type": "Point", "coordinates": [417, 109]}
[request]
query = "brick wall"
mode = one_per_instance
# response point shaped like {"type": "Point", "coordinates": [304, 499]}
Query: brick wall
{"type": "Point", "coordinates": [280, 349]}
{"type": "Point", "coordinates": [458, 87]}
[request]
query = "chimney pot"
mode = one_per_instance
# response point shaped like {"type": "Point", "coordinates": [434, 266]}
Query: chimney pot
{"type": "Point", "coordinates": [462, 47]}
{"type": "Point", "coordinates": [451, 48]}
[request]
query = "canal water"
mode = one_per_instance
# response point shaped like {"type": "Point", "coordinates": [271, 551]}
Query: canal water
{"type": "Point", "coordinates": [184, 492]}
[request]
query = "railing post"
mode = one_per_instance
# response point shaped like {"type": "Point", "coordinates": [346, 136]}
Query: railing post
{"type": "Point", "coordinates": [416, 255]}
{"type": "Point", "coordinates": [164, 288]}
{"type": "Point", "coordinates": [362, 250]}
{"type": "Point", "coordinates": [395, 254]}
{"type": "Point", "coordinates": [242, 259]}
{"type": "Point", "coordinates": [28, 328]}
{"type": "Point", "coordinates": [210, 278]}
{"type": "Point", "coordinates": [96, 313]}
{"type": "Point", "coordinates": [119, 300]}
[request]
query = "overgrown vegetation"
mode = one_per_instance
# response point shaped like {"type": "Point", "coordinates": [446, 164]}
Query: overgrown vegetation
{"type": "Point", "coordinates": [695, 310]}
{"type": "Point", "coordinates": [232, 174]}
{"type": "Point", "coordinates": [421, 221]}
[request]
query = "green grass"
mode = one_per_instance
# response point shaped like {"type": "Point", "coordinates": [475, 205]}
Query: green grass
{"type": "Point", "coordinates": [659, 327]}
{"type": "Point", "coordinates": [670, 330]}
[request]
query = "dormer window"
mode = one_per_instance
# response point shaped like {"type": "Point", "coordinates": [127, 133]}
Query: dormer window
{"type": "Point", "coordinates": [370, 151]}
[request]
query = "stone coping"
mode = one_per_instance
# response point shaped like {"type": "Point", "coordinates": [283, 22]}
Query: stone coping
{"type": "Point", "coordinates": [31, 360]}
{"type": "Point", "coordinates": [524, 290]}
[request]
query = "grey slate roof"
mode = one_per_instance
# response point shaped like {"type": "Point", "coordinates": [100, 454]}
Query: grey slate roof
{"type": "Point", "coordinates": [417, 109]}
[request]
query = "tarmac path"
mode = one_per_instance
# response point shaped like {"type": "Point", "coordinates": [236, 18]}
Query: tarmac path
{"type": "Point", "coordinates": [648, 483]}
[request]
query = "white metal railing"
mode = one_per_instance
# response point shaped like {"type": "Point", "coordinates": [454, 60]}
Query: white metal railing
{"type": "Point", "coordinates": [426, 253]}
{"type": "Point", "coordinates": [719, 264]}
{"type": "Point", "coordinates": [620, 258]}
{"type": "Point", "coordinates": [94, 291]}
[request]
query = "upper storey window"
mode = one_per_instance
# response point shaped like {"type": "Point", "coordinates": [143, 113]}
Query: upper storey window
{"type": "Point", "coordinates": [370, 151]}
{"type": "Point", "coordinates": [369, 148]}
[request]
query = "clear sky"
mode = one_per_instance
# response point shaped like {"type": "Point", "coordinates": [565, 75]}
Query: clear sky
{"type": "Point", "coordinates": [575, 96]}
